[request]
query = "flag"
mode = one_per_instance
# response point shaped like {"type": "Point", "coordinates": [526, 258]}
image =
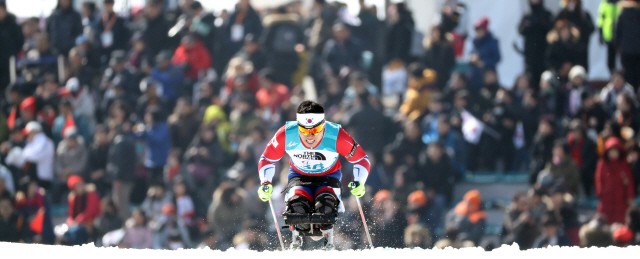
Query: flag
{"type": "Point", "coordinates": [471, 127]}
{"type": "Point", "coordinates": [37, 223]}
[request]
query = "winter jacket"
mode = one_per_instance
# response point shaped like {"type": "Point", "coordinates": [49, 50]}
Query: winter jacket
{"type": "Point", "coordinates": [489, 53]}
{"type": "Point", "coordinates": [170, 79]}
{"type": "Point", "coordinates": [84, 208]}
{"type": "Point", "coordinates": [560, 52]}
{"type": "Point", "coordinates": [559, 240]}
{"type": "Point", "coordinates": [121, 161]}
{"type": "Point", "coordinates": [566, 171]}
{"type": "Point", "coordinates": [279, 38]}
{"type": "Point", "coordinates": [468, 217]}
{"type": "Point", "coordinates": [522, 233]}
{"type": "Point", "coordinates": [75, 159]}
{"type": "Point", "coordinates": [98, 157]}
{"type": "Point", "coordinates": [399, 38]}
{"type": "Point", "coordinates": [116, 25]}
{"type": "Point", "coordinates": [13, 229]}
{"type": "Point", "coordinates": [197, 59]}
{"type": "Point", "coordinates": [440, 57]}
{"type": "Point", "coordinates": [370, 127]}
{"type": "Point", "coordinates": [582, 20]}
{"type": "Point", "coordinates": [250, 22]}
{"type": "Point", "coordinates": [63, 27]}
{"type": "Point", "coordinates": [614, 184]}
{"type": "Point", "coordinates": [534, 27]}
{"type": "Point", "coordinates": [155, 35]}
{"type": "Point", "coordinates": [40, 151]}
{"type": "Point", "coordinates": [158, 145]}
{"type": "Point", "coordinates": [609, 96]}
{"type": "Point", "coordinates": [437, 175]}
{"type": "Point", "coordinates": [608, 13]}
{"type": "Point", "coordinates": [627, 33]}
{"type": "Point", "coordinates": [342, 54]}
{"type": "Point", "coordinates": [11, 40]}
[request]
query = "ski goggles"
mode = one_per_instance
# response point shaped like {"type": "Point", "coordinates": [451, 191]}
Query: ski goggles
{"type": "Point", "coordinates": [312, 131]}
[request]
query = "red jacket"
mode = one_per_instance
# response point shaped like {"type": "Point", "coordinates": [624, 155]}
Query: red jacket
{"type": "Point", "coordinates": [614, 184]}
{"type": "Point", "coordinates": [83, 209]}
{"type": "Point", "coordinates": [197, 58]}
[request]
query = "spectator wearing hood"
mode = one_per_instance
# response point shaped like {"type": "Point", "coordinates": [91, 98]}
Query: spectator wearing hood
{"type": "Point", "coordinates": [614, 182]}
{"type": "Point", "coordinates": [111, 31]}
{"type": "Point", "coordinates": [534, 27]}
{"type": "Point", "coordinates": [617, 86]}
{"type": "Point", "coordinates": [626, 36]}
{"type": "Point", "coordinates": [39, 152]}
{"type": "Point", "coordinates": [573, 12]}
{"type": "Point", "coordinates": [468, 218]}
{"type": "Point", "coordinates": [64, 26]}
{"type": "Point", "coordinates": [282, 41]}
{"type": "Point", "coordinates": [485, 54]}
{"type": "Point", "coordinates": [11, 40]}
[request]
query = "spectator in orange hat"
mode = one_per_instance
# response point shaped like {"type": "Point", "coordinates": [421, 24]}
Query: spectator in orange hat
{"type": "Point", "coordinates": [468, 217]}
{"type": "Point", "coordinates": [623, 236]}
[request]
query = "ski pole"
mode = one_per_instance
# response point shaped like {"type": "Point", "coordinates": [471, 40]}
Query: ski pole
{"type": "Point", "coordinates": [366, 229]}
{"type": "Point", "coordinates": [275, 220]}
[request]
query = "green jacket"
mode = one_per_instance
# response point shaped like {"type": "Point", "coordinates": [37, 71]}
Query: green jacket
{"type": "Point", "coordinates": [608, 13]}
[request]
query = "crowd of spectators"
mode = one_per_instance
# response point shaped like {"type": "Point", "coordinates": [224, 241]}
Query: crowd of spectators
{"type": "Point", "coordinates": [148, 125]}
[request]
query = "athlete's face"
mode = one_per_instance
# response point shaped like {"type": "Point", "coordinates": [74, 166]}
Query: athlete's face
{"type": "Point", "coordinates": [311, 140]}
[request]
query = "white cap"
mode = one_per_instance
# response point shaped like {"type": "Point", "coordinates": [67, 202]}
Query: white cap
{"type": "Point", "coordinates": [73, 85]}
{"type": "Point", "coordinates": [33, 126]}
{"type": "Point", "coordinates": [310, 120]}
{"type": "Point", "coordinates": [577, 71]}
{"type": "Point", "coordinates": [546, 76]}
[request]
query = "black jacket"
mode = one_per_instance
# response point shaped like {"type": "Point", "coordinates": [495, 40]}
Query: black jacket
{"type": "Point", "coordinates": [440, 57]}
{"type": "Point", "coordinates": [63, 27]}
{"type": "Point", "coordinates": [121, 161]}
{"type": "Point", "coordinates": [120, 32]}
{"type": "Point", "coordinates": [437, 175]}
{"type": "Point", "coordinates": [627, 33]}
{"type": "Point", "coordinates": [14, 229]}
{"type": "Point", "coordinates": [281, 28]}
{"type": "Point", "coordinates": [399, 38]}
{"type": "Point", "coordinates": [11, 39]}
{"type": "Point", "coordinates": [534, 27]}
{"type": "Point", "coordinates": [155, 35]}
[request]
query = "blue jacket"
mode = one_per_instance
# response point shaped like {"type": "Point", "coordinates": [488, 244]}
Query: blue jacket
{"type": "Point", "coordinates": [158, 145]}
{"type": "Point", "coordinates": [170, 80]}
{"type": "Point", "coordinates": [489, 51]}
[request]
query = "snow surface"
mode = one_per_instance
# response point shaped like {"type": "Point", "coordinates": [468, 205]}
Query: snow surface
{"type": "Point", "coordinates": [511, 252]}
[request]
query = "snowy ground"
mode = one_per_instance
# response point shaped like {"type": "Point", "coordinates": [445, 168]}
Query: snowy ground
{"type": "Point", "coordinates": [511, 252]}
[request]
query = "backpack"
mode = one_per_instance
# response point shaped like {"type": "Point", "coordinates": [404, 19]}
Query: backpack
{"type": "Point", "coordinates": [285, 39]}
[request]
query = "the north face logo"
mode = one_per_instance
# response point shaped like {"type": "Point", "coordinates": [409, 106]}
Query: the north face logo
{"type": "Point", "coordinates": [311, 156]}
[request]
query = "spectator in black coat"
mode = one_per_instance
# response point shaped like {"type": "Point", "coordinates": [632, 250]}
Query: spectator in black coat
{"type": "Point", "coordinates": [551, 236]}
{"type": "Point", "coordinates": [583, 152]}
{"type": "Point", "coordinates": [439, 55]}
{"type": "Point", "coordinates": [627, 37]}
{"type": "Point", "coordinates": [542, 147]}
{"type": "Point", "coordinates": [64, 26]}
{"type": "Point", "coordinates": [282, 40]}
{"type": "Point", "coordinates": [253, 52]}
{"type": "Point", "coordinates": [399, 34]}
{"type": "Point", "coordinates": [407, 145]}
{"type": "Point", "coordinates": [580, 18]}
{"type": "Point", "coordinates": [155, 35]}
{"type": "Point", "coordinates": [11, 41]}
{"type": "Point", "coordinates": [121, 165]}
{"type": "Point", "coordinates": [534, 27]}
{"type": "Point", "coordinates": [111, 31]}
{"type": "Point", "coordinates": [13, 227]}
{"type": "Point", "coordinates": [436, 172]}
{"type": "Point", "coordinates": [342, 51]}
{"type": "Point", "coordinates": [97, 162]}
{"type": "Point", "coordinates": [564, 48]}
{"type": "Point", "coordinates": [243, 20]}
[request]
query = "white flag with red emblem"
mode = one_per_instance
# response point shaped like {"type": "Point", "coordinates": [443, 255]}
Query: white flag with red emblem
{"type": "Point", "coordinates": [471, 127]}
